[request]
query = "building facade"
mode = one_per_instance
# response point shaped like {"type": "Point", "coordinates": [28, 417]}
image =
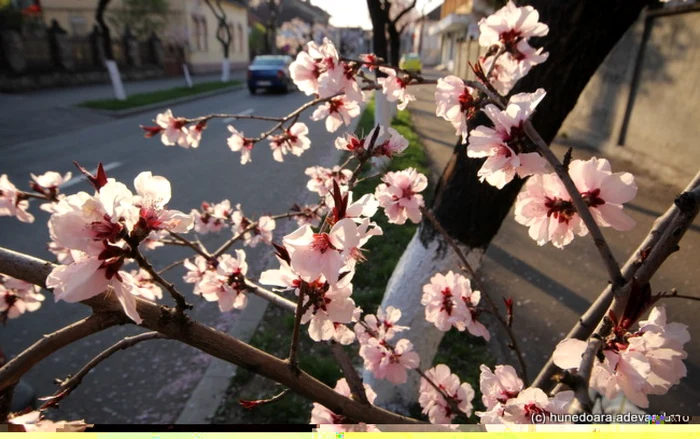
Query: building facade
{"type": "Point", "coordinates": [458, 31]}
{"type": "Point", "coordinates": [189, 24]}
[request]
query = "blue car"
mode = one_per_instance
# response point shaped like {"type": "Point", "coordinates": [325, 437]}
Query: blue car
{"type": "Point", "coordinates": [270, 72]}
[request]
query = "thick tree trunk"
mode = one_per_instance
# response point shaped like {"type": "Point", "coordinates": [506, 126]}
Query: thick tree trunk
{"type": "Point", "coordinates": [581, 35]}
{"type": "Point", "coordinates": [382, 112]}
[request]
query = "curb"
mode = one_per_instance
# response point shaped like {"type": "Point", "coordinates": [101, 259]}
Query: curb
{"type": "Point", "coordinates": [157, 105]}
{"type": "Point", "coordinates": [207, 396]}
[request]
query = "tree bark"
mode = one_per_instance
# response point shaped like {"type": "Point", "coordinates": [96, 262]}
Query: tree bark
{"type": "Point", "coordinates": [106, 38]}
{"type": "Point", "coordinates": [580, 37]}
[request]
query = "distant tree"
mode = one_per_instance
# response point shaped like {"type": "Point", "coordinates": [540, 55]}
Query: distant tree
{"type": "Point", "coordinates": [143, 17]}
{"type": "Point", "coordinates": [273, 12]}
{"type": "Point", "coordinates": [390, 17]}
{"type": "Point", "coordinates": [223, 35]}
{"type": "Point", "coordinates": [100, 19]}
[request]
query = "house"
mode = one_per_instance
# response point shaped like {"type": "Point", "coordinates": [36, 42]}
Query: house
{"type": "Point", "coordinates": [458, 31]}
{"type": "Point", "coordinates": [189, 24]}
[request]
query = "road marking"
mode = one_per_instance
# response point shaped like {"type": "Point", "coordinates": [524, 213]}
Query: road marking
{"type": "Point", "coordinates": [247, 112]}
{"type": "Point", "coordinates": [74, 181]}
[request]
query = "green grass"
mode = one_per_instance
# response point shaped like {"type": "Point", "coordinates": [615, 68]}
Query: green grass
{"type": "Point", "coordinates": [141, 99]}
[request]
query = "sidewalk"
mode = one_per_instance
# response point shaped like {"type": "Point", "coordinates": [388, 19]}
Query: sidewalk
{"type": "Point", "coordinates": [45, 113]}
{"type": "Point", "coordinates": [552, 288]}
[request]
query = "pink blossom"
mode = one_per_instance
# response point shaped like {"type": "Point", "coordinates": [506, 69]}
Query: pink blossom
{"type": "Point", "coordinates": [322, 178]}
{"type": "Point", "coordinates": [509, 69]}
{"type": "Point", "coordinates": [154, 240]}
{"type": "Point", "coordinates": [173, 129]}
{"type": "Point", "coordinates": [382, 326]}
{"type": "Point", "coordinates": [449, 301]}
{"type": "Point", "coordinates": [387, 362]}
{"type": "Point", "coordinates": [144, 286]}
{"type": "Point", "coordinates": [499, 386]}
{"type": "Point", "coordinates": [324, 416]}
{"type": "Point", "coordinates": [341, 80]}
{"type": "Point", "coordinates": [433, 402]}
{"type": "Point", "coordinates": [399, 195]}
{"type": "Point", "coordinates": [11, 203]}
{"type": "Point", "coordinates": [294, 141]}
{"type": "Point", "coordinates": [153, 194]}
{"type": "Point", "coordinates": [18, 297]}
{"type": "Point", "coordinates": [212, 218]}
{"type": "Point", "coordinates": [50, 180]}
{"type": "Point", "coordinates": [226, 285]}
{"type": "Point", "coordinates": [261, 232]}
{"type": "Point", "coordinates": [337, 111]}
{"type": "Point", "coordinates": [389, 143]}
{"type": "Point", "coordinates": [394, 88]}
{"type": "Point", "coordinates": [350, 142]}
{"type": "Point", "coordinates": [63, 255]}
{"type": "Point", "coordinates": [647, 362]}
{"type": "Point", "coordinates": [546, 208]}
{"type": "Point", "coordinates": [370, 59]}
{"type": "Point", "coordinates": [316, 254]}
{"type": "Point", "coordinates": [328, 307]}
{"type": "Point", "coordinates": [520, 410]}
{"type": "Point", "coordinates": [305, 73]}
{"type": "Point", "coordinates": [358, 210]}
{"type": "Point", "coordinates": [90, 276]}
{"type": "Point", "coordinates": [237, 142]}
{"type": "Point", "coordinates": [510, 25]}
{"type": "Point", "coordinates": [604, 192]}
{"type": "Point", "coordinates": [83, 222]}
{"type": "Point", "coordinates": [506, 145]}
{"type": "Point", "coordinates": [194, 134]}
{"type": "Point", "coordinates": [196, 270]}
{"type": "Point", "coordinates": [455, 103]}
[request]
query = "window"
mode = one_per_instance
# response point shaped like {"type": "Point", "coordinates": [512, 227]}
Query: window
{"type": "Point", "coordinates": [205, 34]}
{"type": "Point", "coordinates": [196, 44]}
{"type": "Point", "coordinates": [78, 26]}
{"type": "Point", "coordinates": [240, 38]}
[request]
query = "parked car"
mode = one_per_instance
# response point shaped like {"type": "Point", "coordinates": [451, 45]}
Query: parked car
{"type": "Point", "coordinates": [270, 72]}
{"type": "Point", "coordinates": [411, 63]}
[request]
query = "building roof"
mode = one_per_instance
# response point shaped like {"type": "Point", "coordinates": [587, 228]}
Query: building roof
{"type": "Point", "coordinates": [434, 14]}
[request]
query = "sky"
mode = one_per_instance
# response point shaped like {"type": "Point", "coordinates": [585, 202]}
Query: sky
{"type": "Point", "coordinates": [351, 13]}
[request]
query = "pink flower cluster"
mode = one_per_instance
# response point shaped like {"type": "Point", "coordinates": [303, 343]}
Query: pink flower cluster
{"type": "Point", "coordinates": [18, 297]}
{"type": "Point", "coordinates": [293, 141]}
{"type": "Point", "coordinates": [507, 32]}
{"type": "Point", "coordinates": [399, 195]}
{"type": "Point", "coordinates": [450, 302]}
{"type": "Point", "coordinates": [319, 71]}
{"type": "Point", "coordinates": [174, 130]}
{"type": "Point", "coordinates": [211, 218]}
{"type": "Point", "coordinates": [100, 231]}
{"type": "Point", "coordinates": [546, 208]}
{"type": "Point", "coordinates": [455, 103]}
{"type": "Point", "coordinates": [337, 111]}
{"type": "Point", "coordinates": [637, 364]}
{"type": "Point", "coordinates": [432, 400]}
{"type": "Point", "coordinates": [388, 143]}
{"type": "Point", "coordinates": [262, 232]}
{"type": "Point", "coordinates": [322, 178]}
{"type": "Point", "coordinates": [508, 403]}
{"type": "Point", "coordinates": [324, 417]}
{"type": "Point", "coordinates": [505, 146]}
{"type": "Point", "coordinates": [385, 360]}
{"type": "Point", "coordinates": [394, 87]}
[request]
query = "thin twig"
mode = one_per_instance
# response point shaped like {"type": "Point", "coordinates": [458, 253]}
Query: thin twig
{"type": "Point", "coordinates": [171, 266]}
{"type": "Point", "coordinates": [611, 264]}
{"type": "Point", "coordinates": [50, 343]}
{"type": "Point", "coordinates": [586, 324]}
{"type": "Point", "coordinates": [477, 283]}
{"type": "Point", "coordinates": [181, 303]}
{"type": "Point", "coordinates": [204, 338]}
{"type": "Point", "coordinates": [70, 384]}
{"type": "Point", "coordinates": [197, 248]}
{"type": "Point", "coordinates": [355, 383]}
{"type": "Point", "coordinates": [294, 345]}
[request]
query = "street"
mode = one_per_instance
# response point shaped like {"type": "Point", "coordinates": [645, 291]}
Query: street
{"type": "Point", "coordinates": [150, 382]}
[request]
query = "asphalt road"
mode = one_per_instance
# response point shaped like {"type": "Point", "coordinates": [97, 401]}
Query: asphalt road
{"type": "Point", "coordinates": [150, 382]}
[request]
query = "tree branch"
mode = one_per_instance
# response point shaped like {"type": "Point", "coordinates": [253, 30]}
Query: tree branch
{"type": "Point", "coordinates": [210, 341]}
{"type": "Point", "coordinates": [12, 371]}
{"type": "Point", "coordinates": [477, 283]}
{"type": "Point", "coordinates": [584, 327]}
{"type": "Point", "coordinates": [351, 376]}
{"type": "Point", "coordinates": [181, 303]}
{"type": "Point", "coordinates": [74, 381]}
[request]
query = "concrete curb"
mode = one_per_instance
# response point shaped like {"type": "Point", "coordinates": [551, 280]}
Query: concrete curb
{"type": "Point", "coordinates": [158, 105]}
